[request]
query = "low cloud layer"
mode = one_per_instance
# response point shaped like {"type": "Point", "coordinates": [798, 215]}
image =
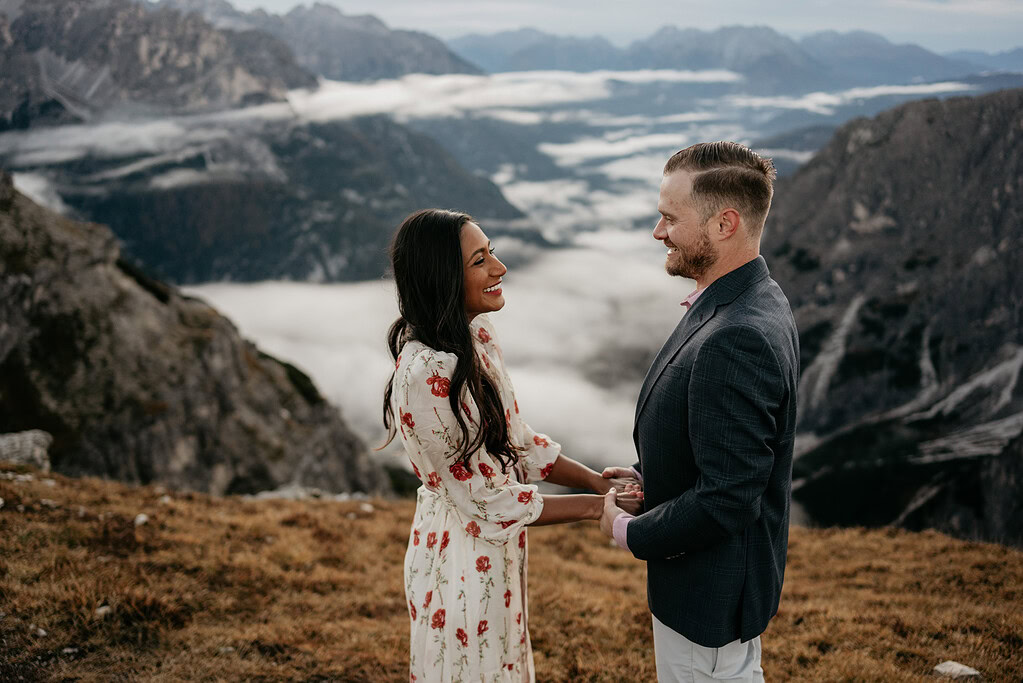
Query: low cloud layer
{"type": "Point", "coordinates": [607, 292]}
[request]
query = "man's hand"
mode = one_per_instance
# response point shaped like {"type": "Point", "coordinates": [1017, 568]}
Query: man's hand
{"type": "Point", "coordinates": [611, 510]}
{"type": "Point", "coordinates": [619, 477]}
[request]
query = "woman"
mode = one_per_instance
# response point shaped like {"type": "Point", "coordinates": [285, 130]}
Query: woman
{"type": "Point", "coordinates": [452, 403]}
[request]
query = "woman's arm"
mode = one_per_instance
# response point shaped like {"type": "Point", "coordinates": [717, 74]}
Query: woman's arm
{"type": "Point", "coordinates": [573, 474]}
{"type": "Point", "coordinates": [573, 507]}
{"type": "Point", "coordinates": [568, 472]}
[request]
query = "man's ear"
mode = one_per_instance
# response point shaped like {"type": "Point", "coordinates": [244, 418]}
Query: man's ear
{"type": "Point", "coordinates": [729, 222]}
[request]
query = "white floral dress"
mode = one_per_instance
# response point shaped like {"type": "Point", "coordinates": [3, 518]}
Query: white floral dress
{"type": "Point", "coordinates": [465, 568]}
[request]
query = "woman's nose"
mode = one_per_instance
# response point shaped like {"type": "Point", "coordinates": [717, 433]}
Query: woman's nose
{"type": "Point", "coordinates": [500, 268]}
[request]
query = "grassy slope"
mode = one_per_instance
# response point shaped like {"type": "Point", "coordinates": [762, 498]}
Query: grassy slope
{"type": "Point", "coordinates": [228, 589]}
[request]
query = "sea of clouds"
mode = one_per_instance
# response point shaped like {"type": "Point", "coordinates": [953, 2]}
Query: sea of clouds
{"type": "Point", "coordinates": [607, 291]}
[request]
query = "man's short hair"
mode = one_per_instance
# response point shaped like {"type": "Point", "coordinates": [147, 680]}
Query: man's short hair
{"type": "Point", "coordinates": [728, 174]}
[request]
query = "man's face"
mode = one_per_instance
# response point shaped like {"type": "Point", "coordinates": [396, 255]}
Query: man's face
{"type": "Point", "coordinates": [681, 228]}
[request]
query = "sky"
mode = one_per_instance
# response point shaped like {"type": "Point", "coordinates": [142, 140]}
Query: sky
{"type": "Point", "coordinates": [938, 25]}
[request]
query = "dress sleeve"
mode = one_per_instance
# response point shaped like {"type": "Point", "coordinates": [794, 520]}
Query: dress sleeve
{"type": "Point", "coordinates": [488, 503]}
{"type": "Point", "coordinates": [541, 452]}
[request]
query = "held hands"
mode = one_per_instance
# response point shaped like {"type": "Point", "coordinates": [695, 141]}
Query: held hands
{"type": "Point", "coordinates": [615, 503]}
{"type": "Point", "coordinates": [618, 478]}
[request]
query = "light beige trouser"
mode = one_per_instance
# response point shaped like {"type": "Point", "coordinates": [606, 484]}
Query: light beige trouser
{"type": "Point", "coordinates": [680, 660]}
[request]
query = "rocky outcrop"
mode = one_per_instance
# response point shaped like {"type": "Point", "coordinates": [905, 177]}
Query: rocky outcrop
{"type": "Point", "coordinates": [74, 59]}
{"type": "Point", "coordinates": [899, 247]}
{"type": "Point", "coordinates": [336, 45]}
{"type": "Point", "coordinates": [139, 383]}
{"type": "Point", "coordinates": [26, 448]}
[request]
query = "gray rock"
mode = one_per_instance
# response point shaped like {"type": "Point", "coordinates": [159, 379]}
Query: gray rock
{"type": "Point", "coordinates": [335, 45]}
{"type": "Point", "coordinates": [952, 669]}
{"type": "Point", "coordinates": [26, 448]}
{"type": "Point", "coordinates": [139, 383]}
{"type": "Point", "coordinates": [65, 60]}
{"type": "Point", "coordinates": [899, 248]}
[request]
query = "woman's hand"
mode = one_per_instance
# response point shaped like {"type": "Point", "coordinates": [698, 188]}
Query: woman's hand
{"type": "Point", "coordinates": [630, 498]}
{"type": "Point", "coordinates": [618, 478]}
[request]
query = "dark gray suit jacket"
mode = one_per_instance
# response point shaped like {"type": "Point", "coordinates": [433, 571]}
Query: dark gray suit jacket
{"type": "Point", "coordinates": [714, 431]}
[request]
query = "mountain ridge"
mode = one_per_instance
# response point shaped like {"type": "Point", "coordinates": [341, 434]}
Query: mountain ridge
{"type": "Point", "coordinates": [911, 409]}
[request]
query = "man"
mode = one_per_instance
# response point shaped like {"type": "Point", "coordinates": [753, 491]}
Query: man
{"type": "Point", "coordinates": [714, 426]}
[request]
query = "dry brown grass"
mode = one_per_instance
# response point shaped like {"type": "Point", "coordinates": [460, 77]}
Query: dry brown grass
{"type": "Point", "coordinates": [228, 589]}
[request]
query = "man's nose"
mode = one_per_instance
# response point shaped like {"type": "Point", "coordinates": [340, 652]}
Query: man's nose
{"type": "Point", "coordinates": [660, 231]}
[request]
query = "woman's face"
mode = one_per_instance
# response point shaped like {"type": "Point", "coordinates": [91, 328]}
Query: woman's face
{"type": "Point", "coordinates": [482, 272]}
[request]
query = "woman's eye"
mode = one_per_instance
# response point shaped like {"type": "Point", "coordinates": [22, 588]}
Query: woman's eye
{"type": "Point", "coordinates": [492, 250]}
{"type": "Point", "coordinates": [478, 263]}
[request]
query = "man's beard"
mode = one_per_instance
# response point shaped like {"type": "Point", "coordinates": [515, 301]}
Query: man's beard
{"type": "Point", "coordinates": [692, 262]}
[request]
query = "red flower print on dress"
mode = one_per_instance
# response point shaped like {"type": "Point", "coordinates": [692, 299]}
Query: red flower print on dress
{"type": "Point", "coordinates": [468, 413]}
{"type": "Point", "coordinates": [406, 419]}
{"type": "Point", "coordinates": [412, 678]}
{"type": "Point", "coordinates": [431, 539]}
{"type": "Point", "coordinates": [397, 363]}
{"type": "Point", "coordinates": [539, 441]}
{"type": "Point", "coordinates": [486, 361]}
{"type": "Point", "coordinates": [412, 609]}
{"type": "Point", "coordinates": [433, 480]}
{"type": "Point", "coordinates": [416, 470]}
{"type": "Point", "coordinates": [438, 619]}
{"type": "Point", "coordinates": [486, 470]}
{"type": "Point", "coordinates": [444, 540]}
{"type": "Point", "coordinates": [516, 406]}
{"type": "Point", "coordinates": [415, 537]}
{"type": "Point", "coordinates": [459, 472]}
{"type": "Point", "coordinates": [510, 667]}
{"type": "Point", "coordinates": [522, 539]}
{"type": "Point", "coordinates": [518, 618]}
{"type": "Point", "coordinates": [439, 385]}
{"type": "Point", "coordinates": [505, 525]}
{"type": "Point", "coordinates": [525, 497]}
{"type": "Point", "coordinates": [463, 638]}
{"type": "Point", "coordinates": [482, 628]}
{"type": "Point", "coordinates": [429, 597]}
{"type": "Point", "coordinates": [546, 471]}
{"type": "Point", "coordinates": [473, 529]}
{"type": "Point", "coordinates": [507, 598]}
{"type": "Point", "coordinates": [483, 564]}
{"type": "Point", "coordinates": [507, 416]}
{"type": "Point", "coordinates": [483, 336]}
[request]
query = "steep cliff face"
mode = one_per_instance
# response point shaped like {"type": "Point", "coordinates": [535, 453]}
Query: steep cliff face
{"type": "Point", "coordinates": [899, 246]}
{"type": "Point", "coordinates": [336, 45]}
{"type": "Point", "coordinates": [139, 383]}
{"type": "Point", "coordinates": [72, 59]}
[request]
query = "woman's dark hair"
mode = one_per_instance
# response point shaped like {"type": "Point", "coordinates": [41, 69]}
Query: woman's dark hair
{"type": "Point", "coordinates": [426, 260]}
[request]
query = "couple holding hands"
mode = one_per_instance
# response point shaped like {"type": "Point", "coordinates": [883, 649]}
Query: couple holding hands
{"type": "Point", "coordinates": [707, 503]}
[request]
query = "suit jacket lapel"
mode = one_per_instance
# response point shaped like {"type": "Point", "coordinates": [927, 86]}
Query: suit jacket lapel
{"type": "Point", "coordinates": [721, 292]}
{"type": "Point", "coordinates": [692, 321]}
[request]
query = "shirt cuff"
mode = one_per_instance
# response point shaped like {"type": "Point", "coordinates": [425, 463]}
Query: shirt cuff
{"type": "Point", "coordinates": [637, 474]}
{"type": "Point", "coordinates": [619, 529]}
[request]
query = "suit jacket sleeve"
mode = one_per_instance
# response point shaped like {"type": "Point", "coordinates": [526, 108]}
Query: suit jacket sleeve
{"type": "Point", "coordinates": [735, 391]}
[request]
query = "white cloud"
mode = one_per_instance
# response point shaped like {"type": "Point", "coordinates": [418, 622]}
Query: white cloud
{"type": "Point", "coordinates": [40, 189]}
{"type": "Point", "coordinates": [588, 149]}
{"type": "Point", "coordinates": [824, 103]}
{"type": "Point", "coordinates": [568, 304]}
